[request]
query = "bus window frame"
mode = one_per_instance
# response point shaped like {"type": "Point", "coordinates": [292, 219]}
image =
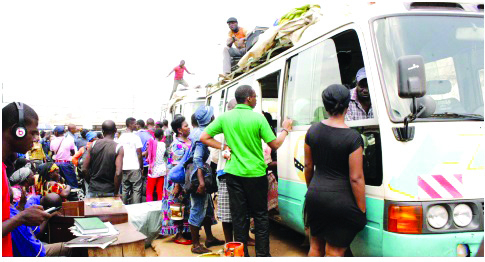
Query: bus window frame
{"type": "Point", "coordinates": [277, 72]}
{"type": "Point", "coordinates": [377, 57]}
{"type": "Point", "coordinates": [368, 125]}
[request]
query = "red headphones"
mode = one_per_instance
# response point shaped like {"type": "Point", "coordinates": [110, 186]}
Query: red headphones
{"type": "Point", "coordinates": [19, 130]}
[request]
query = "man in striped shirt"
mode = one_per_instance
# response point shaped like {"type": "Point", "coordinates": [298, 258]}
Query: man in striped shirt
{"type": "Point", "coordinates": [360, 106]}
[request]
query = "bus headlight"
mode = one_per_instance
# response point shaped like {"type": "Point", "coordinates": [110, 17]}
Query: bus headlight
{"type": "Point", "coordinates": [462, 215]}
{"type": "Point", "coordinates": [437, 216]}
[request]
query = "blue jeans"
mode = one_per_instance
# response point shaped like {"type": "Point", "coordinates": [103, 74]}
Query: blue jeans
{"type": "Point", "coordinates": [67, 171]}
{"type": "Point", "coordinates": [200, 208]}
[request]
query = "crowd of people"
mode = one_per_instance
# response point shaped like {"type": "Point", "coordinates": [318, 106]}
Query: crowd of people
{"type": "Point", "coordinates": [238, 147]}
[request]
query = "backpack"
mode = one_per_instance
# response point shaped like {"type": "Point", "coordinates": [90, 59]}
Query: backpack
{"type": "Point", "coordinates": [191, 181]}
{"type": "Point", "coordinates": [85, 153]}
{"type": "Point", "coordinates": [81, 159]}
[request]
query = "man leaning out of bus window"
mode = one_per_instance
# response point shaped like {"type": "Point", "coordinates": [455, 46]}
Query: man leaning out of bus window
{"type": "Point", "coordinates": [360, 106]}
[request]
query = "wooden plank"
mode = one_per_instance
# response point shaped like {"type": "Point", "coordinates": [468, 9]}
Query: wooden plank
{"type": "Point", "coordinates": [136, 249]}
{"type": "Point", "coordinates": [128, 234]}
{"type": "Point", "coordinates": [116, 214]}
{"type": "Point", "coordinates": [72, 208]}
{"type": "Point", "coordinates": [130, 243]}
{"type": "Point", "coordinates": [111, 251]}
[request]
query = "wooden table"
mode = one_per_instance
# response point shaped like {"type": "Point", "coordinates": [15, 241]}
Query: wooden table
{"type": "Point", "coordinates": [130, 243]}
{"type": "Point", "coordinates": [116, 213]}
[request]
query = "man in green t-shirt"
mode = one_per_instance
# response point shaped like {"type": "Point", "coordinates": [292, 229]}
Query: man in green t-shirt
{"type": "Point", "coordinates": [246, 171]}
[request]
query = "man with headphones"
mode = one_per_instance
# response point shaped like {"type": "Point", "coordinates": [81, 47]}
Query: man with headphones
{"type": "Point", "coordinates": [19, 126]}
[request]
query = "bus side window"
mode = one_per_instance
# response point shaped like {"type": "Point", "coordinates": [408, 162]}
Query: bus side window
{"type": "Point", "coordinates": [309, 73]}
{"type": "Point", "coordinates": [372, 158]}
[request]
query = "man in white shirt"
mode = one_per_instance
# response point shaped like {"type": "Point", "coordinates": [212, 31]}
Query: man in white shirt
{"type": "Point", "coordinates": [132, 164]}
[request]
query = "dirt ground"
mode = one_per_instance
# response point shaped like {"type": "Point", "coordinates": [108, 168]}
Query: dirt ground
{"type": "Point", "coordinates": [284, 242]}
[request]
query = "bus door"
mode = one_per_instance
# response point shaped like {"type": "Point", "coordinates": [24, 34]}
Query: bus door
{"type": "Point", "coordinates": [334, 60]}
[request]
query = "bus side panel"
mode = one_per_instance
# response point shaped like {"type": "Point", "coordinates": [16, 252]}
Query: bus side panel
{"type": "Point", "coordinates": [429, 245]}
{"type": "Point", "coordinates": [291, 183]}
{"type": "Point", "coordinates": [291, 199]}
{"type": "Point", "coordinates": [368, 242]}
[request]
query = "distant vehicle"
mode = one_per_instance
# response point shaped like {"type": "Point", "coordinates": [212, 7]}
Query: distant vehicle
{"type": "Point", "coordinates": [186, 104]}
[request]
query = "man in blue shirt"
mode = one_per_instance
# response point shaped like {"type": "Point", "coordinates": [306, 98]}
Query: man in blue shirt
{"type": "Point", "coordinates": [201, 205]}
{"type": "Point", "coordinates": [144, 136]}
{"type": "Point", "coordinates": [24, 238]}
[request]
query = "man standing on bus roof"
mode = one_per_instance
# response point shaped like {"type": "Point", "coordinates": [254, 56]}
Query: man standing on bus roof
{"type": "Point", "coordinates": [246, 179]}
{"type": "Point", "coordinates": [360, 106]}
{"type": "Point", "coordinates": [237, 36]}
{"type": "Point", "coordinates": [179, 76]}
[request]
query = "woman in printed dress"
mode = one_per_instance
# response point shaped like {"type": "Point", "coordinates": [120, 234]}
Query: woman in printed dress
{"type": "Point", "coordinates": [172, 192]}
{"type": "Point", "coordinates": [50, 181]}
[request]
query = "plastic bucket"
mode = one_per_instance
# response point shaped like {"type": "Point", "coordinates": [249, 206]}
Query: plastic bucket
{"type": "Point", "coordinates": [234, 249]}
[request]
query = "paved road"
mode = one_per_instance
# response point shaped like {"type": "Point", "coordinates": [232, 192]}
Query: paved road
{"type": "Point", "coordinates": [284, 242]}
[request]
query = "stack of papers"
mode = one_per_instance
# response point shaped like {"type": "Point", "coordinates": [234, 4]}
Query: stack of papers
{"type": "Point", "coordinates": [94, 241]}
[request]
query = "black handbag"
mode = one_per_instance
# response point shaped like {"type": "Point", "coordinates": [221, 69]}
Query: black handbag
{"type": "Point", "coordinates": [191, 181]}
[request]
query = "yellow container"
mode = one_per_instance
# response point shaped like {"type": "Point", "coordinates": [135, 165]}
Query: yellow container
{"type": "Point", "coordinates": [209, 255]}
{"type": "Point", "coordinates": [177, 211]}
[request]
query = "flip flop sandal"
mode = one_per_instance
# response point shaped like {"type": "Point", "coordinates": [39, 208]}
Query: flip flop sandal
{"type": "Point", "coordinates": [200, 250]}
{"type": "Point", "coordinates": [213, 243]}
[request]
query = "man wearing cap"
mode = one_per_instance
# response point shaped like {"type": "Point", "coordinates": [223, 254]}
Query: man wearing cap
{"type": "Point", "coordinates": [63, 148]}
{"type": "Point", "coordinates": [360, 106]}
{"type": "Point", "coordinates": [202, 207]}
{"type": "Point", "coordinates": [237, 36]}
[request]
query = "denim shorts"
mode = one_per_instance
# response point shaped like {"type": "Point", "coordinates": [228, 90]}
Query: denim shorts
{"type": "Point", "coordinates": [200, 207]}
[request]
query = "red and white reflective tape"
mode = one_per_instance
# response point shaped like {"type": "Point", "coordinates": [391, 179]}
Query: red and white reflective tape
{"type": "Point", "coordinates": [440, 186]}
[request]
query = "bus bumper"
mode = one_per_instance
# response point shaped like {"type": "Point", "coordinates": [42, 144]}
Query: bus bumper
{"type": "Point", "coordinates": [429, 245]}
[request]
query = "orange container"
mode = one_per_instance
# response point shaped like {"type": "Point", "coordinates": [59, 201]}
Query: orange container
{"type": "Point", "coordinates": [234, 249]}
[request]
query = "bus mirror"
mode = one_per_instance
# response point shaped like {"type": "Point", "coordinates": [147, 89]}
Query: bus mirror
{"type": "Point", "coordinates": [411, 76]}
{"type": "Point", "coordinates": [426, 106]}
{"type": "Point", "coordinates": [412, 84]}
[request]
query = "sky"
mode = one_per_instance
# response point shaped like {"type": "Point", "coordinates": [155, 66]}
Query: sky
{"type": "Point", "coordinates": [87, 61]}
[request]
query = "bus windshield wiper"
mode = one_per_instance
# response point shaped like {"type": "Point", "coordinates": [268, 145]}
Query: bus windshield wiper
{"type": "Point", "coordinates": [456, 115]}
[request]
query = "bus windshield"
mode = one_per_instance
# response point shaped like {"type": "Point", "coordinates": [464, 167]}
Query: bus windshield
{"type": "Point", "coordinates": [452, 49]}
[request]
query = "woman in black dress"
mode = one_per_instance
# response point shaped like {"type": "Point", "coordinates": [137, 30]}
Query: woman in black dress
{"type": "Point", "coordinates": [335, 201]}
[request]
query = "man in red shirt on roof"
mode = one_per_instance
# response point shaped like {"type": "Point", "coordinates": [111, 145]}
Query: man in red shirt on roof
{"type": "Point", "coordinates": [19, 126]}
{"type": "Point", "coordinates": [179, 76]}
